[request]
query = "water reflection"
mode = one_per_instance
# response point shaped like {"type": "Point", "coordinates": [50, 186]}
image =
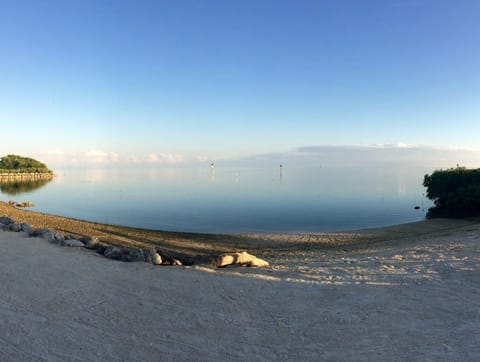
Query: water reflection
{"type": "Point", "coordinates": [16, 187]}
{"type": "Point", "coordinates": [221, 199]}
{"type": "Point", "coordinates": [212, 172]}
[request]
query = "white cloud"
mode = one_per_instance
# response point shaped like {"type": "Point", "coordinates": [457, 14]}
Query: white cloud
{"type": "Point", "coordinates": [95, 156]}
{"type": "Point", "coordinates": [392, 145]}
{"type": "Point", "coordinates": [63, 158]}
{"type": "Point", "coordinates": [54, 153]}
{"type": "Point", "coordinates": [202, 158]}
{"type": "Point", "coordinates": [52, 157]}
{"type": "Point", "coordinates": [165, 158]}
{"type": "Point", "coordinates": [132, 159]}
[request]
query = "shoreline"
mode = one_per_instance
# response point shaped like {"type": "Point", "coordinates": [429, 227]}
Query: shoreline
{"type": "Point", "coordinates": [270, 246]}
{"type": "Point", "coordinates": [8, 176]}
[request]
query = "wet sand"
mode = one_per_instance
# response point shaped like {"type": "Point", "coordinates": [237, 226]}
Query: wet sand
{"type": "Point", "coordinates": [408, 292]}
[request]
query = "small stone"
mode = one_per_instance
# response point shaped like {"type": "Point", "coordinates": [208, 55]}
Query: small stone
{"type": "Point", "coordinates": [177, 262]}
{"type": "Point", "coordinates": [152, 257]}
{"type": "Point", "coordinates": [49, 236]}
{"type": "Point", "coordinates": [90, 242]}
{"type": "Point", "coordinates": [133, 255]}
{"type": "Point", "coordinates": [40, 232]}
{"type": "Point", "coordinates": [27, 228]}
{"type": "Point", "coordinates": [100, 250]}
{"type": "Point", "coordinates": [53, 237]}
{"type": "Point", "coordinates": [73, 243]}
{"type": "Point", "coordinates": [6, 220]}
{"type": "Point", "coordinates": [15, 227]}
{"type": "Point", "coordinates": [124, 254]}
{"type": "Point", "coordinates": [112, 252]}
{"type": "Point", "coordinates": [59, 237]}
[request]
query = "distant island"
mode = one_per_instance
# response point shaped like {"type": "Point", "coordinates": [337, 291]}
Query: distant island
{"type": "Point", "coordinates": [14, 166]}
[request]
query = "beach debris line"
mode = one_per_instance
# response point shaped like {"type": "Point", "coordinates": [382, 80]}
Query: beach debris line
{"type": "Point", "coordinates": [155, 256]}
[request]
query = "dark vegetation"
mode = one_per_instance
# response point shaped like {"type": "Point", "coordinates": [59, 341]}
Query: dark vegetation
{"type": "Point", "coordinates": [19, 164]}
{"type": "Point", "coordinates": [455, 192]}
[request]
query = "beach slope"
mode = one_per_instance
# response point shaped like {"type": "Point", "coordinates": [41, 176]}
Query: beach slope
{"type": "Point", "coordinates": [394, 298]}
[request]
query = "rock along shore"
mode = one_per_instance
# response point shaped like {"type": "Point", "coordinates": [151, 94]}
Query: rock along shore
{"type": "Point", "coordinates": [9, 176]}
{"type": "Point", "coordinates": [152, 255]}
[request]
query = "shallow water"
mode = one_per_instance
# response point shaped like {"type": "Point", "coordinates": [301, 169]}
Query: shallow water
{"type": "Point", "coordinates": [235, 200]}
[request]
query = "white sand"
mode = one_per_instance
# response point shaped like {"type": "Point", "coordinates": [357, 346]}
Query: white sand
{"type": "Point", "coordinates": [414, 301]}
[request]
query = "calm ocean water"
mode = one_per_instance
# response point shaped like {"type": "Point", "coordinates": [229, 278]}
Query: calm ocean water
{"type": "Point", "coordinates": [233, 200]}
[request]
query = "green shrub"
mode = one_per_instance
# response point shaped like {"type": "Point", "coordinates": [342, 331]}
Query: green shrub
{"type": "Point", "coordinates": [19, 164]}
{"type": "Point", "coordinates": [455, 192]}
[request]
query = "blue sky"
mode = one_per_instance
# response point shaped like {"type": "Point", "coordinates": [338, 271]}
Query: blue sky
{"type": "Point", "coordinates": [172, 81]}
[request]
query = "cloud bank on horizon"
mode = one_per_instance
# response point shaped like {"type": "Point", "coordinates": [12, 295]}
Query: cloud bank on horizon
{"type": "Point", "coordinates": [386, 155]}
{"type": "Point", "coordinates": [343, 156]}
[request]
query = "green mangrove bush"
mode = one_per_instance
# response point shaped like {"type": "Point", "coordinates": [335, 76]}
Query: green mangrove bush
{"type": "Point", "coordinates": [19, 164]}
{"type": "Point", "coordinates": [455, 192]}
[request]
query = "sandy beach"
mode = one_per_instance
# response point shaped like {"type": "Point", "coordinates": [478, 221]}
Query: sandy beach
{"type": "Point", "coordinates": [405, 293]}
